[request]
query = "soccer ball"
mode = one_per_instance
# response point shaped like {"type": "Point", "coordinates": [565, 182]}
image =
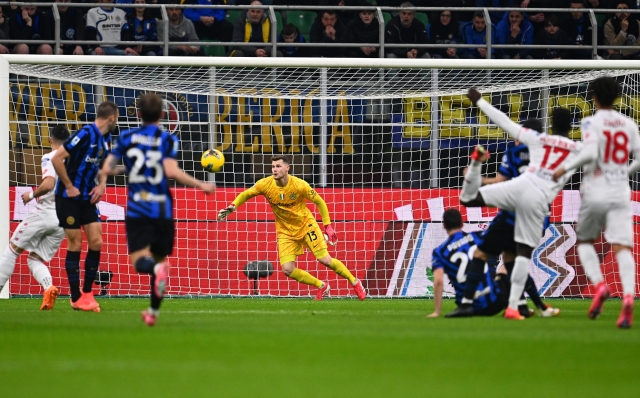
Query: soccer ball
{"type": "Point", "coordinates": [212, 160]}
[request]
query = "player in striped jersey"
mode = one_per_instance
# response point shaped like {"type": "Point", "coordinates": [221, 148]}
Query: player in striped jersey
{"type": "Point", "coordinates": [296, 226]}
{"type": "Point", "coordinates": [39, 233]}
{"type": "Point", "coordinates": [78, 192]}
{"type": "Point", "coordinates": [149, 155]}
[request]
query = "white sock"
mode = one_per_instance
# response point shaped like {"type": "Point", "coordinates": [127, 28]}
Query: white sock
{"type": "Point", "coordinates": [590, 262]}
{"type": "Point", "coordinates": [40, 272]}
{"type": "Point", "coordinates": [472, 181]}
{"type": "Point", "coordinates": [7, 265]}
{"type": "Point", "coordinates": [518, 280]}
{"type": "Point", "coordinates": [627, 271]}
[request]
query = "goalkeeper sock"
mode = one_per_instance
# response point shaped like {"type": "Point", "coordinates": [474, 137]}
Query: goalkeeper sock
{"type": "Point", "coordinates": [590, 262]}
{"type": "Point", "coordinates": [72, 266]}
{"type": "Point", "coordinates": [339, 268]}
{"type": "Point", "coordinates": [305, 277]}
{"type": "Point", "coordinates": [532, 291]}
{"type": "Point", "coordinates": [7, 265]}
{"type": "Point", "coordinates": [40, 272]}
{"type": "Point", "coordinates": [627, 271]}
{"type": "Point", "coordinates": [472, 181]}
{"type": "Point", "coordinates": [518, 280]}
{"type": "Point", "coordinates": [91, 265]}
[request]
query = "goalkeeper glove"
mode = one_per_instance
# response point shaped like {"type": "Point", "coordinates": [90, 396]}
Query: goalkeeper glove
{"type": "Point", "coordinates": [222, 214]}
{"type": "Point", "coordinates": [330, 235]}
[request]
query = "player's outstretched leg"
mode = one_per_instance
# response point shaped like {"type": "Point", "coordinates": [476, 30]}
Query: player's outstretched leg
{"type": "Point", "coordinates": [472, 178]}
{"type": "Point", "coordinates": [544, 310]}
{"type": "Point", "coordinates": [339, 268]}
{"type": "Point", "coordinates": [475, 273]}
{"type": "Point", "coordinates": [591, 265]}
{"type": "Point", "coordinates": [41, 273]}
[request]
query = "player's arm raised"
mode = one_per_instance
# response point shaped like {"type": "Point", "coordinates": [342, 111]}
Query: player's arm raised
{"type": "Point", "coordinates": [501, 119]}
{"type": "Point", "coordinates": [173, 171]}
{"type": "Point", "coordinates": [58, 164]}
{"type": "Point", "coordinates": [330, 233]}
{"type": "Point", "coordinates": [438, 288]}
{"type": "Point", "coordinates": [238, 201]}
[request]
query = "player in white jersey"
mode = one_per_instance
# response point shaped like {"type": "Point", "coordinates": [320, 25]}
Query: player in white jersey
{"type": "Point", "coordinates": [609, 137]}
{"type": "Point", "coordinates": [39, 233]}
{"type": "Point", "coordinates": [528, 196]}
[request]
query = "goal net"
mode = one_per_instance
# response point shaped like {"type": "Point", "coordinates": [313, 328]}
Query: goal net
{"type": "Point", "coordinates": [383, 142]}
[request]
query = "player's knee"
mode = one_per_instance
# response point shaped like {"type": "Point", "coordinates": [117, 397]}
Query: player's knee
{"type": "Point", "coordinates": [326, 261]}
{"type": "Point", "coordinates": [480, 254]}
{"type": "Point", "coordinates": [35, 256]}
{"type": "Point", "coordinates": [15, 248]}
{"type": "Point", "coordinates": [95, 243]}
{"type": "Point", "coordinates": [618, 248]}
{"type": "Point", "coordinates": [288, 268]}
{"type": "Point", "coordinates": [524, 250]}
{"type": "Point", "coordinates": [477, 202]}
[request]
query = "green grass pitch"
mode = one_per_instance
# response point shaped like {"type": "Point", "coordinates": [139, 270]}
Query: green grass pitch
{"type": "Point", "coordinates": [302, 348]}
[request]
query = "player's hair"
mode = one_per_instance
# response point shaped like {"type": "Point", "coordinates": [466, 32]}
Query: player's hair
{"type": "Point", "coordinates": [452, 219]}
{"type": "Point", "coordinates": [60, 133]}
{"type": "Point", "coordinates": [606, 89]}
{"type": "Point", "coordinates": [106, 109]}
{"type": "Point", "coordinates": [533, 124]}
{"type": "Point", "coordinates": [289, 29]}
{"type": "Point", "coordinates": [284, 158]}
{"type": "Point", "coordinates": [561, 121]}
{"type": "Point", "coordinates": [150, 106]}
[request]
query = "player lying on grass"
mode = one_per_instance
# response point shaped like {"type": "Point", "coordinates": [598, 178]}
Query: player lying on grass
{"type": "Point", "coordinates": [39, 233]}
{"type": "Point", "coordinates": [452, 258]}
{"type": "Point", "coordinates": [609, 138]}
{"type": "Point", "coordinates": [528, 196]}
{"type": "Point", "coordinates": [149, 157]}
{"type": "Point", "coordinates": [296, 226]}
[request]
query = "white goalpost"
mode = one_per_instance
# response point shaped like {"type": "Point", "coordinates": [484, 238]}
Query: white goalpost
{"type": "Point", "coordinates": [384, 141]}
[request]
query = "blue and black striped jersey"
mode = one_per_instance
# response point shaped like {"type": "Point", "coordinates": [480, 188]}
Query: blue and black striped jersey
{"type": "Point", "coordinates": [143, 151]}
{"type": "Point", "coordinates": [87, 148]}
{"type": "Point", "coordinates": [453, 256]}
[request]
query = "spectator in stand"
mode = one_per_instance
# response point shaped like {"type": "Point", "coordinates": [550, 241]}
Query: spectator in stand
{"type": "Point", "coordinates": [31, 24]}
{"type": "Point", "coordinates": [475, 32]}
{"type": "Point", "coordinates": [104, 24]}
{"type": "Point", "coordinates": [538, 19]}
{"type": "Point", "coordinates": [579, 29]}
{"type": "Point", "coordinates": [496, 16]}
{"type": "Point", "coordinates": [443, 29]}
{"type": "Point", "coordinates": [180, 30]}
{"type": "Point", "coordinates": [404, 28]}
{"type": "Point", "coordinates": [328, 29]}
{"type": "Point", "coordinates": [464, 16]}
{"type": "Point", "coordinates": [551, 36]}
{"type": "Point", "coordinates": [291, 34]}
{"type": "Point", "coordinates": [4, 32]}
{"type": "Point", "coordinates": [623, 29]}
{"type": "Point", "coordinates": [364, 28]}
{"type": "Point", "coordinates": [514, 29]}
{"type": "Point", "coordinates": [210, 23]}
{"type": "Point", "coordinates": [140, 26]}
{"type": "Point", "coordinates": [347, 15]}
{"type": "Point", "coordinates": [253, 26]}
{"type": "Point", "coordinates": [72, 26]}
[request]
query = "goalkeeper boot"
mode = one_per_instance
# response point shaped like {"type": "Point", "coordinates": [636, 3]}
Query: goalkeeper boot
{"type": "Point", "coordinates": [480, 154]}
{"type": "Point", "coordinates": [162, 273]}
{"type": "Point", "coordinates": [549, 312]}
{"type": "Point", "coordinates": [322, 292]}
{"type": "Point", "coordinates": [602, 294]}
{"type": "Point", "coordinates": [357, 286]}
{"type": "Point", "coordinates": [510, 313]}
{"type": "Point", "coordinates": [49, 298]}
{"type": "Point", "coordinates": [463, 310]}
{"type": "Point", "coordinates": [626, 315]}
{"type": "Point", "coordinates": [149, 318]}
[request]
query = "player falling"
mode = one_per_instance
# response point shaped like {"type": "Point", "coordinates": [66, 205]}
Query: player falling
{"type": "Point", "coordinates": [609, 137]}
{"type": "Point", "coordinates": [39, 233]}
{"type": "Point", "coordinates": [528, 196]}
{"type": "Point", "coordinates": [149, 155]}
{"type": "Point", "coordinates": [296, 226]}
{"type": "Point", "coordinates": [77, 194]}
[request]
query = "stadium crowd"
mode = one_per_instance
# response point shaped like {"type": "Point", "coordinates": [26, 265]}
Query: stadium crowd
{"type": "Point", "coordinates": [253, 25]}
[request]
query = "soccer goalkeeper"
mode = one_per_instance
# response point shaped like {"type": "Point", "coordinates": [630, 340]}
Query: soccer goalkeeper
{"type": "Point", "coordinates": [296, 226]}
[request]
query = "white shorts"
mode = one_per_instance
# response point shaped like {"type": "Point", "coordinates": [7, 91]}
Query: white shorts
{"type": "Point", "coordinates": [615, 217]}
{"type": "Point", "coordinates": [528, 201]}
{"type": "Point", "coordinates": [39, 233]}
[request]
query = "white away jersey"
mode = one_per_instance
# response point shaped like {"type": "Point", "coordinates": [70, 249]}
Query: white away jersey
{"type": "Point", "coordinates": [107, 23]}
{"type": "Point", "coordinates": [47, 201]}
{"type": "Point", "coordinates": [547, 153]}
{"type": "Point", "coordinates": [616, 137]}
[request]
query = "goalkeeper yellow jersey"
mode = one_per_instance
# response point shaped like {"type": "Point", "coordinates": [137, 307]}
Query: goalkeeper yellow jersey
{"type": "Point", "coordinates": [289, 204]}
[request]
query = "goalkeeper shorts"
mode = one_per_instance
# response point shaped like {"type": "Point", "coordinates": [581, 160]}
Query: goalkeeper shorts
{"type": "Point", "coordinates": [290, 248]}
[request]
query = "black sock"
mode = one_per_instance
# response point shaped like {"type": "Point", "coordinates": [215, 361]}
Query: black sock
{"type": "Point", "coordinates": [532, 291]}
{"type": "Point", "coordinates": [474, 277]}
{"type": "Point", "coordinates": [72, 266]}
{"type": "Point", "coordinates": [509, 266]}
{"type": "Point", "coordinates": [155, 301]}
{"type": "Point", "coordinates": [145, 265]}
{"type": "Point", "coordinates": [91, 264]}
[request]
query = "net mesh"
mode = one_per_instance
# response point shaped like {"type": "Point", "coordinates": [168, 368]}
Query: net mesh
{"type": "Point", "coordinates": [384, 147]}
